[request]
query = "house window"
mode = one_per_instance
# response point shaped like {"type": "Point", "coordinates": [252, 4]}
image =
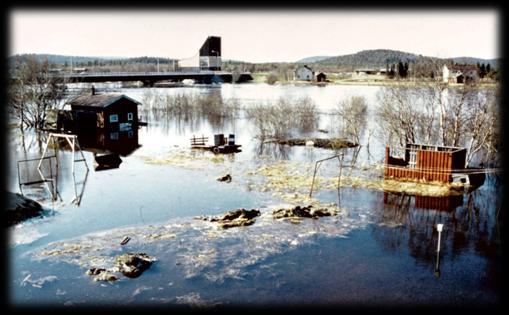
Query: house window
{"type": "Point", "coordinates": [113, 118]}
{"type": "Point", "coordinates": [129, 116]}
{"type": "Point", "coordinates": [114, 136]}
{"type": "Point", "coordinates": [412, 163]}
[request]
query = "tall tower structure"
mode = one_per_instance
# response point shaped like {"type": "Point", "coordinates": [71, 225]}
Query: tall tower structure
{"type": "Point", "coordinates": [210, 54]}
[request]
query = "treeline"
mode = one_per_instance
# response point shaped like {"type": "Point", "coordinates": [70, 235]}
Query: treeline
{"type": "Point", "coordinates": [396, 63]}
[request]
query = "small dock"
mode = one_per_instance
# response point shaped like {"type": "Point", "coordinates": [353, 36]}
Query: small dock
{"type": "Point", "coordinates": [221, 144]}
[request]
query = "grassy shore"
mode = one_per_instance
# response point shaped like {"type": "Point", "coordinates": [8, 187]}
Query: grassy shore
{"type": "Point", "coordinates": [261, 77]}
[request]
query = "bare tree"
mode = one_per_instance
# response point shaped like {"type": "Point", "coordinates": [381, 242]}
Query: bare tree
{"type": "Point", "coordinates": [33, 91]}
{"type": "Point", "coordinates": [434, 113]}
{"type": "Point", "coordinates": [353, 112]}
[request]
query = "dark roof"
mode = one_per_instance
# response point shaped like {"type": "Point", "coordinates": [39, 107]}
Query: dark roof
{"type": "Point", "coordinates": [99, 100]}
{"type": "Point", "coordinates": [463, 67]}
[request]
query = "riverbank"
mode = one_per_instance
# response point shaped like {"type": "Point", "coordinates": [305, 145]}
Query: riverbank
{"type": "Point", "coordinates": [261, 77]}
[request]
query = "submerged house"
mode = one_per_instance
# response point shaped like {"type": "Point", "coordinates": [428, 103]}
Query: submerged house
{"type": "Point", "coordinates": [112, 112]}
{"type": "Point", "coordinates": [426, 162]}
{"type": "Point", "coordinates": [101, 121]}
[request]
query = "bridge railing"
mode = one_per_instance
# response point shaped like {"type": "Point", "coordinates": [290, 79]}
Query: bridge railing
{"type": "Point", "coordinates": [152, 73]}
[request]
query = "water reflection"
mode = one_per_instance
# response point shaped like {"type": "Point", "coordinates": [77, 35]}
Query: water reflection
{"type": "Point", "coordinates": [190, 111]}
{"type": "Point", "coordinates": [438, 203]}
{"type": "Point", "coordinates": [470, 223]}
{"type": "Point", "coordinates": [272, 149]}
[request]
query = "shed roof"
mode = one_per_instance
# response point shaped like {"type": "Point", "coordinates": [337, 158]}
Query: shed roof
{"type": "Point", "coordinates": [99, 100]}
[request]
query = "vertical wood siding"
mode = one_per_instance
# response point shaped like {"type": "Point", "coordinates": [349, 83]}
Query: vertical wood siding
{"type": "Point", "coordinates": [430, 165]}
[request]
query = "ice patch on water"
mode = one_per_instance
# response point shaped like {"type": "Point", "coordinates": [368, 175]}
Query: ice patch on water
{"type": "Point", "coordinates": [22, 234]}
{"type": "Point", "coordinates": [202, 249]}
{"type": "Point", "coordinates": [194, 300]}
{"type": "Point", "coordinates": [37, 283]}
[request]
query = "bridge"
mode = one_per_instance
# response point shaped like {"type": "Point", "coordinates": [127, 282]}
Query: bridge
{"type": "Point", "coordinates": [149, 78]}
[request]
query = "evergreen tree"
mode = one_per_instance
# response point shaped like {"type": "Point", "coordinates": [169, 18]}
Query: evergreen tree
{"type": "Point", "coordinates": [392, 71]}
{"type": "Point", "coordinates": [482, 72]}
{"type": "Point", "coordinates": [400, 69]}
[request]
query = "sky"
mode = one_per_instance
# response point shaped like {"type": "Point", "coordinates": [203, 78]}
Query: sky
{"type": "Point", "coordinates": [254, 36]}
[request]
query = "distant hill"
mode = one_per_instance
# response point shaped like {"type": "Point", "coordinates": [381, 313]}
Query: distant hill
{"type": "Point", "coordinates": [58, 59]}
{"type": "Point", "coordinates": [365, 58]}
{"type": "Point", "coordinates": [313, 59]}
{"type": "Point", "coordinates": [375, 58]}
{"type": "Point", "coordinates": [382, 57]}
{"type": "Point", "coordinates": [83, 60]}
{"type": "Point", "coordinates": [471, 60]}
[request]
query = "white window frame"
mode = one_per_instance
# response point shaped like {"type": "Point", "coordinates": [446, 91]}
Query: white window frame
{"type": "Point", "coordinates": [113, 118]}
{"type": "Point", "coordinates": [129, 116]}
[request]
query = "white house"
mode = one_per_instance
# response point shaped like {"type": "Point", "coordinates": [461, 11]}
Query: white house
{"type": "Point", "coordinates": [460, 74]}
{"type": "Point", "coordinates": [305, 73]}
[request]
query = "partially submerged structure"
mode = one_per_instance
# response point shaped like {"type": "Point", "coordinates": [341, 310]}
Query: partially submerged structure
{"type": "Point", "coordinates": [222, 144]}
{"type": "Point", "coordinates": [106, 124]}
{"type": "Point", "coordinates": [431, 163]}
{"type": "Point", "coordinates": [116, 112]}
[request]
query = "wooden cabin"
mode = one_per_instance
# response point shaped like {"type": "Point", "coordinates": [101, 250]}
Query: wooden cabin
{"type": "Point", "coordinates": [425, 162]}
{"type": "Point", "coordinates": [321, 77]}
{"type": "Point", "coordinates": [112, 112]}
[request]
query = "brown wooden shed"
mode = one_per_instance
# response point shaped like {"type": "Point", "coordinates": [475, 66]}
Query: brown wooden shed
{"type": "Point", "coordinates": [425, 162]}
{"type": "Point", "coordinates": [112, 112]}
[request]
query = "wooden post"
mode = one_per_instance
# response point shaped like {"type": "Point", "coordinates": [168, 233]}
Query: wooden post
{"type": "Point", "coordinates": [386, 167]}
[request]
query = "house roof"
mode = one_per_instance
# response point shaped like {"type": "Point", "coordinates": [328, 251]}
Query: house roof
{"type": "Point", "coordinates": [99, 100]}
{"type": "Point", "coordinates": [463, 68]}
{"type": "Point", "coordinates": [305, 67]}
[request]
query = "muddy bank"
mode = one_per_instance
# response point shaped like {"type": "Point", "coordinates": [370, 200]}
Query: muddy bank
{"type": "Point", "coordinates": [20, 208]}
{"type": "Point", "coordinates": [303, 212]}
{"type": "Point", "coordinates": [331, 143]}
{"type": "Point", "coordinates": [131, 265]}
{"type": "Point", "coordinates": [234, 218]}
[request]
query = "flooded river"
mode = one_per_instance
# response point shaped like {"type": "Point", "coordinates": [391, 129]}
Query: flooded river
{"type": "Point", "coordinates": [380, 248]}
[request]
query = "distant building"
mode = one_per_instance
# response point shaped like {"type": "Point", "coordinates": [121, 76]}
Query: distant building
{"type": "Point", "coordinates": [371, 71]}
{"type": "Point", "coordinates": [208, 57]}
{"type": "Point", "coordinates": [321, 77]}
{"type": "Point", "coordinates": [79, 70]}
{"type": "Point", "coordinates": [366, 71]}
{"type": "Point", "coordinates": [304, 74]}
{"type": "Point", "coordinates": [460, 74]}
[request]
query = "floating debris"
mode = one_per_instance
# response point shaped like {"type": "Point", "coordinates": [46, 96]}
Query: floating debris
{"type": "Point", "coordinates": [234, 218]}
{"type": "Point", "coordinates": [130, 265]}
{"type": "Point", "coordinates": [37, 283]}
{"type": "Point", "coordinates": [125, 240]}
{"type": "Point", "coordinates": [106, 276]}
{"type": "Point", "coordinates": [332, 143]}
{"type": "Point", "coordinates": [133, 265]}
{"type": "Point", "coordinates": [227, 178]}
{"type": "Point", "coordinates": [304, 212]}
